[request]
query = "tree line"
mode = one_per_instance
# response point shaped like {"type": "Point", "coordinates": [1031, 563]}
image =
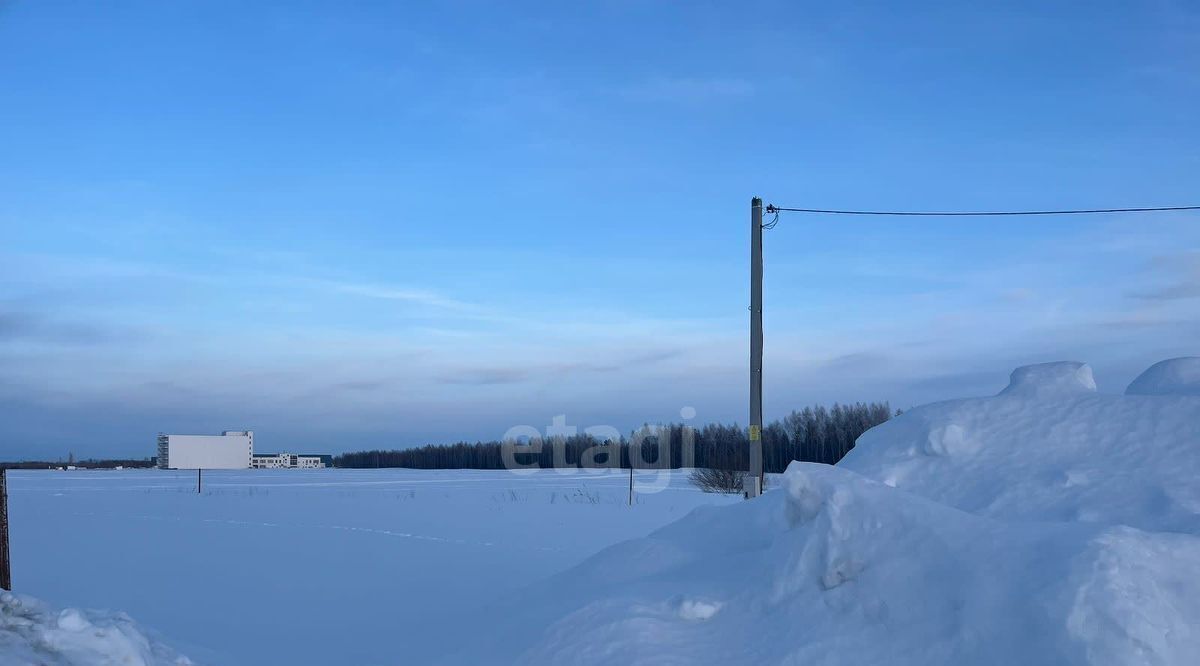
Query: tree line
{"type": "Point", "coordinates": [129, 463]}
{"type": "Point", "coordinates": [814, 434]}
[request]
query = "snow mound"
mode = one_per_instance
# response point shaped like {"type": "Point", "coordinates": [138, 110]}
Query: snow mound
{"type": "Point", "coordinates": [1048, 524]}
{"type": "Point", "coordinates": [836, 568]}
{"type": "Point", "coordinates": [1046, 380]}
{"type": "Point", "coordinates": [1176, 376]}
{"type": "Point", "coordinates": [31, 634]}
{"type": "Point", "coordinates": [1048, 447]}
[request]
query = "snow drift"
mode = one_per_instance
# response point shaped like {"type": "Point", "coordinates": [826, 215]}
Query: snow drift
{"type": "Point", "coordinates": [31, 634]}
{"type": "Point", "coordinates": [1175, 376]}
{"type": "Point", "coordinates": [1047, 524]}
{"type": "Point", "coordinates": [1048, 448]}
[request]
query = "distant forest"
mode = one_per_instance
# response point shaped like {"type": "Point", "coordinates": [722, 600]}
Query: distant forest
{"type": "Point", "coordinates": [80, 464]}
{"type": "Point", "coordinates": [814, 434]}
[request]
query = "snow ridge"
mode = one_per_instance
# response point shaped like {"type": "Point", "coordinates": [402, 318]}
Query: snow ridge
{"type": "Point", "coordinates": [1047, 524]}
{"type": "Point", "coordinates": [1048, 380]}
{"type": "Point", "coordinates": [1175, 376]}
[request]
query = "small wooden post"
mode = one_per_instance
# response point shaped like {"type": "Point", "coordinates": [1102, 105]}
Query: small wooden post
{"type": "Point", "coordinates": [199, 479]}
{"type": "Point", "coordinates": [631, 482]}
{"type": "Point", "coordinates": [5, 563]}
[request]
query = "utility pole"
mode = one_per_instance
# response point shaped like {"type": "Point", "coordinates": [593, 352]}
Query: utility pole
{"type": "Point", "coordinates": [756, 338]}
{"type": "Point", "coordinates": [5, 562]}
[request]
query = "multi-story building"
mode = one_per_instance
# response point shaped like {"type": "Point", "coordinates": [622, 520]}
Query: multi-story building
{"type": "Point", "coordinates": [232, 449]}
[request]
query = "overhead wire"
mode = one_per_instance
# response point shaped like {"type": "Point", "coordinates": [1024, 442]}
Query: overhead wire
{"type": "Point", "coordinates": [976, 213]}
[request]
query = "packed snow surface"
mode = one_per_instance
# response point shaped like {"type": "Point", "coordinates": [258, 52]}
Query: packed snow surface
{"type": "Point", "coordinates": [1049, 524]}
{"type": "Point", "coordinates": [317, 567]}
{"type": "Point", "coordinates": [32, 634]}
{"type": "Point", "coordinates": [1175, 376]}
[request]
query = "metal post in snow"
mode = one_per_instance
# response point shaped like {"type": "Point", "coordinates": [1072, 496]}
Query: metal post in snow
{"type": "Point", "coordinates": [5, 562]}
{"type": "Point", "coordinates": [199, 479]}
{"type": "Point", "coordinates": [630, 482]}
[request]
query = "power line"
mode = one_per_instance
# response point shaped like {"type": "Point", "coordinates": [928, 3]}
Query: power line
{"type": "Point", "coordinates": [979, 213]}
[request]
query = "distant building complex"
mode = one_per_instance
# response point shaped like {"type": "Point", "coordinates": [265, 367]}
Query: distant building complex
{"type": "Point", "coordinates": [290, 461]}
{"type": "Point", "coordinates": [232, 449]}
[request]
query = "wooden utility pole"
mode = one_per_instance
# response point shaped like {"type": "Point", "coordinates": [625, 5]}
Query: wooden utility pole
{"type": "Point", "coordinates": [5, 562]}
{"type": "Point", "coordinates": [756, 337]}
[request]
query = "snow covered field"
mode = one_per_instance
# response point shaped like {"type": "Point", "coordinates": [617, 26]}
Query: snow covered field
{"type": "Point", "coordinates": [315, 567]}
{"type": "Point", "coordinates": [1049, 524]}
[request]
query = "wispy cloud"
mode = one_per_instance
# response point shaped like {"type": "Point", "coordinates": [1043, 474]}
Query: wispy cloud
{"type": "Point", "coordinates": [396, 293]}
{"type": "Point", "coordinates": [27, 327]}
{"type": "Point", "coordinates": [361, 385]}
{"type": "Point", "coordinates": [568, 367]}
{"type": "Point", "coordinates": [690, 89]}
{"type": "Point", "coordinates": [485, 376]}
{"type": "Point", "coordinates": [1183, 271]}
{"type": "Point", "coordinates": [1185, 289]}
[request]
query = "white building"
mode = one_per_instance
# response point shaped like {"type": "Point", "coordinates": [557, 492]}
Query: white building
{"type": "Point", "coordinates": [232, 449]}
{"type": "Point", "coordinates": [290, 461]}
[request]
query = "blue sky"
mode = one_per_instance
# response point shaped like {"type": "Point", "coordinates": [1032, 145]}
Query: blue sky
{"type": "Point", "coordinates": [352, 225]}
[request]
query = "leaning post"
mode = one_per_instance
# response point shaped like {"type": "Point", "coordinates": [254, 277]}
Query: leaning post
{"type": "Point", "coordinates": [5, 562]}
